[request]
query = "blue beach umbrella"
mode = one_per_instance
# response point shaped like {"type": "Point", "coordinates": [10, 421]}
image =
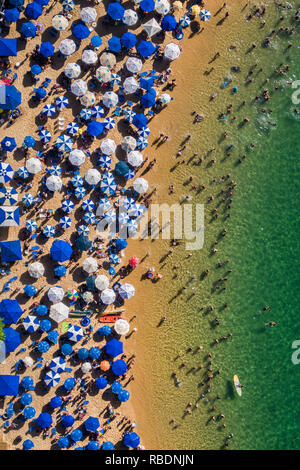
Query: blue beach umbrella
{"type": "Point", "coordinates": [144, 131]}
{"type": "Point", "coordinates": [28, 200]}
{"type": "Point", "coordinates": [114, 44]}
{"type": "Point", "coordinates": [54, 170]}
{"type": "Point", "coordinates": [27, 383]}
{"type": "Point", "coordinates": [44, 420]}
{"type": "Point", "coordinates": [123, 396]}
{"type": "Point", "coordinates": [23, 172]}
{"type": "Point", "coordinates": [45, 325]}
{"type": "Point", "coordinates": [104, 330]}
{"type": "Point", "coordinates": [69, 383]}
{"type": "Point", "coordinates": [43, 3]}
{"type": "Point", "coordinates": [148, 100]}
{"type": "Point", "coordinates": [33, 10]}
{"type": "Point", "coordinates": [8, 144]}
{"type": "Point", "coordinates": [63, 442]}
{"type": "Point", "coordinates": [28, 444]}
{"type": "Point", "coordinates": [96, 41]}
{"type": "Point", "coordinates": [140, 121]}
{"type": "Point", "coordinates": [31, 324]}
{"type": "Point", "coordinates": [97, 111]}
{"type": "Point", "coordinates": [60, 270]}
{"type": "Point", "coordinates": [92, 424]}
{"type": "Point", "coordinates": [28, 30]}
{"type": "Point", "coordinates": [128, 40]}
{"type": "Point", "coordinates": [29, 141]}
{"type": "Point", "coordinates": [83, 229]}
{"type": "Point", "coordinates": [26, 399]}
{"type": "Point", "coordinates": [109, 123]}
{"type": "Point", "coordinates": [128, 114]}
{"type": "Point", "coordinates": [67, 206]}
{"type": "Point", "coordinates": [108, 185]}
{"type": "Point", "coordinates": [205, 15]}
{"type": "Point", "coordinates": [83, 243]}
{"type": "Point", "coordinates": [116, 387]}
{"type": "Point", "coordinates": [101, 383]}
{"type": "Point", "coordinates": [184, 21]}
{"type": "Point", "coordinates": [49, 231]}
{"type": "Point", "coordinates": [67, 421]}
{"type": "Point", "coordinates": [83, 354]}
{"type": "Point", "coordinates": [58, 364]}
{"type": "Point", "coordinates": [45, 136]}
{"type": "Point", "coordinates": [121, 244]}
{"type": "Point", "coordinates": [92, 445]}
{"type": "Point", "coordinates": [115, 11]}
{"type": "Point", "coordinates": [76, 435]}
{"type": "Point", "coordinates": [68, 5]}
{"type": "Point", "coordinates": [81, 31]}
{"type": "Point", "coordinates": [56, 402]}
{"type": "Point", "coordinates": [72, 128]}
{"type": "Point", "coordinates": [89, 218]}
{"type": "Point", "coordinates": [104, 162]}
{"type": "Point", "coordinates": [146, 83]}
{"type": "Point", "coordinates": [141, 143]}
{"type": "Point", "coordinates": [114, 347]}
{"type": "Point", "coordinates": [30, 290]}
{"type": "Point", "coordinates": [36, 69]}
{"type": "Point", "coordinates": [94, 128]}
{"type": "Point", "coordinates": [60, 251]}
{"type": "Point", "coordinates": [12, 339]}
{"type": "Point", "coordinates": [86, 114]}
{"type": "Point", "coordinates": [147, 5]}
{"type": "Point", "coordinates": [107, 446]}
{"type": "Point", "coordinates": [43, 347]}
{"type": "Point", "coordinates": [49, 110]}
{"type": "Point", "coordinates": [8, 196]}
{"type": "Point", "coordinates": [29, 412]}
{"type": "Point", "coordinates": [40, 93]}
{"type": "Point", "coordinates": [75, 333]}
{"type": "Point", "coordinates": [119, 367]}
{"type": "Point", "coordinates": [94, 353]}
{"type": "Point", "coordinates": [52, 378]}
{"type": "Point", "coordinates": [88, 205]}
{"type": "Point", "coordinates": [115, 79]}
{"type": "Point", "coordinates": [53, 336]}
{"type": "Point", "coordinates": [66, 349]}
{"type": "Point", "coordinates": [11, 15]}
{"type": "Point", "coordinates": [42, 310]}
{"type": "Point", "coordinates": [47, 49]}
{"type": "Point", "coordinates": [64, 143]}
{"type": "Point", "coordinates": [168, 23]}
{"type": "Point", "coordinates": [61, 102]}
{"type": "Point", "coordinates": [65, 222]}
{"type": "Point", "coordinates": [121, 168]}
{"type": "Point", "coordinates": [131, 440]}
{"type": "Point", "coordinates": [146, 48]}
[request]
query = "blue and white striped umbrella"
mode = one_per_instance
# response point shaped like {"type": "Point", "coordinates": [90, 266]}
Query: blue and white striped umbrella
{"type": "Point", "coordinates": [72, 128]}
{"type": "Point", "coordinates": [86, 114]}
{"type": "Point", "coordinates": [136, 210]}
{"type": "Point", "coordinates": [52, 378]}
{"type": "Point", "coordinates": [97, 111]}
{"type": "Point", "coordinates": [205, 15]}
{"type": "Point", "coordinates": [61, 102]}
{"type": "Point", "coordinates": [67, 206]}
{"type": "Point", "coordinates": [141, 143]}
{"type": "Point", "coordinates": [23, 172]}
{"type": "Point", "coordinates": [144, 132]}
{"type": "Point", "coordinates": [128, 203]}
{"type": "Point", "coordinates": [65, 222]}
{"type": "Point", "coordinates": [54, 170]}
{"type": "Point", "coordinates": [108, 184]}
{"type": "Point", "coordinates": [8, 196]}
{"type": "Point", "coordinates": [64, 143]}
{"type": "Point", "coordinates": [58, 364]}
{"type": "Point", "coordinates": [129, 114]}
{"type": "Point", "coordinates": [83, 230]}
{"type": "Point", "coordinates": [68, 5]}
{"type": "Point", "coordinates": [115, 79]}
{"type": "Point", "coordinates": [110, 216]}
{"type": "Point", "coordinates": [123, 218]}
{"type": "Point", "coordinates": [31, 323]}
{"type": "Point", "coordinates": [185, 21]}
{"type": "Point", "coordinates": [49, 231]}
{"type": "Point", "coordinates": [45, 136]}
{"type": "Point", "coordinates": [114, 259]}
{"type": "Point", "coordinates": [28, 199]}
{"type": "Point", "coordinates": [80, 192]}
{"type": "Point", "coordinates": [75, 333]}
{"type": "Point", "coordinates": [104, 162]}
{"type": "Point", "coordinates": [49, 110]}
{"type": "Point", "coordinates": [89, 218]}
{"type": "Point", "coordinates": [77, 181]}
{"type": "Point", "coordinates": [109, 123]}
{"type": "Point", "coordinates": [31, 225]}
{"type": "Point", "coordinates": [88, 205]}
{"type": "Point", "coordinates": [130, 174]}
{"type": "Point", "coordinates": [6, 172]}
{"type": "Point", "coordinates": [132, 226]}
{"type": "Point", "coordinates": [103, 206]}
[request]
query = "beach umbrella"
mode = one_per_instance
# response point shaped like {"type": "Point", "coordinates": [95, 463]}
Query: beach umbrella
{"type": "Point", "coordinates": [55, 294]}
{"type": "Point", "coordinates": [8, 196]}
{"type": "Point", "coordinates": [108, 146]}
{"type": "Point", "coordinates": [131, 440]}
{"type": "Point", "coordinates": [10, 97]}
{"type": "Point", "coordinates": [94, 353]}
{"type": "Point", "coordinates": [93, 445]}
{"type": "Point", "coordinates": [33, 165]}
{"type": "Point", "coordinates": [97, 111]}
{"type": "Point", "coordinates": [52, 378]}
{"type": "Point", "coordinates": [45, 325]}
{"type": "Point", "coordinates": [115, 11]}
{"type": "Point", "coordinates": [67, 421]}
{"type": "Point", "coordinates": [115, 79]}
{"type": "Point", "coordinates": [26, 399]}
{"type": "Point", "coordinates": [128, 40]}
{"type": "Point", "coordinates": [36, 69]}
{"type": "Point", "coordinates": [126, 291]}
{"type": "Point", "coordinates": [135, 158]}
{"type": "Point", "coordinates": [86, 114]}
{"type": "Point", "coordinates": [102, 282]}
{"type": "Point", "coordinates": [165, 98]}
{"type": "Point", "coordinates": [27, 383]}
{"type": "Point", "coordinates": [6, 172]}
{"type": "Point", "coordinates": [56, 402]}
{"type": "Point", "coordinates": [45, 136]}
{"type": "Point", "coordinates": [148, 99]}
{"type": "Point", "coordinates": [36, 270]}
{"type": "Point", "coordinates": [130, 17]}
{"type": "Point", "coordinates": [151, 27]}
{"type": "Point", "coordinates": [83, 354]}
{"type": "Point", "coordinates": [77, 158]}
{"type": "Point", "coordinates": [77, 181]}
{"type": "Point", "coordinates": [30, 290]}
{"type": "Point", "coordinates": [28, 200]}
{"type": "Point", "coordinates": [133, 64]}
{"type": "Point", "coordinates": [128, 143]}
{"type": "Point", "coordinates": [132, 227]}
{"type": "Point", "coordinates": [72, 70]}
{"type": "Point", "coordinates": [40, 93]}
{"type": "Point", "coordinates": [110, 216]}
{"type": "Point", "coordinates": [123, 395]}
{"type": "Point", "coordinates": [72, 294]}
{"type": "Point", "coordinates": [130, 85]}
{"type": "Point", "coordinates": [107, 446]}
{"type": "Point", "coordinates": [121, 168]}
{"type": "Point", "coordinates": [49, 231]}
{"type": "Point", "coordinates": [121, 327]}
{"type": "Point", "coordinates": [146, 83]}
{"type": "Point", "coordinates": [83, 243]}
{"type": "Point", "coordinates": [128, 114]}
{"type": "Point", "coordinates": [67, 47]}
{"type": "Point", "coordinates": [88, 15]}
{"type": "Point", "coordinates": [53, 336]}
{"type": "Point", "coordinates": [140, 185]}
{"type": "Point", "coordinates": [66, 349]}
{"type": "Point", "coordinates": [104, 365]}
{"type": "Point", "coordinates": [90, 265]}
{"type": "Point", "coordinates": [92, 424]}
{"type": "Point", "coordinates": [61, 102]}
{"type": "Point", "coordinates": [75, 333]}
{"type": "Point", "coordinates": [108, 185]}
{"type": "Point", "coordinates": [43, 3]}
{"type": "Point", "coordinates": [86, 367]}
{"type": "Point", "coordinates": [54, 170]}
{"type": "Point", "coordinates": [42, 310]}
{"type": "Point", "coordinates": [184, 21]}
{"type": "Point", "coordinates": [60, 270]}
{"type": "Point", "coordinates": [83, 229]}
{"type": "Point", "coordinates": [88, 99]}
{"type": "Point", "coordinates": [103, 74]}
{"type": "Point", "coordinates": [69, 383]}
{"type": "Point", "coordinates": [135, 211]}
{"type": "Point", "coordinates": [110, 99]}
{"type": "Point", "coordinates": [141, 143]}
{"type": "Point", "coordinates": [108, 296]}
{"type": "Point", "coordinates": [140, 121]}
{"type": "Point", "coordinates": [33, 10]}
{"type": "Point", "coordinates": [63, 442]}
{"type": "Point", "coordinates": [47, 49]}
{"type": "Point", "coordinates": [171, 51]}
{"type": "Point", "coordinates": [88, 205]}
{"type": "Point", "coordinates": [80, 31]}
{"type": "Point", "coordinates": [8, 144]}
{"type": "Point", "coordinates": [28, 29]}
{"type": "Point", "coordinates": [145, 48]}
{"type": "Point", "coordinates": [28, 444]}
{"type": "Point", "coordinates": [128, 203]}
{"type": "Point", "coordinates": [67, 206]}
{"type": "Point", "coordinates": [12, 339]}
{"type": "Point", "coordinates": [162, 7]}
{"type": "Point", "coordinates": [60, 22]}
{"type": "Point", "coordinates": [29, 412]}
{"type": "Point", "coordinates": [103, 206]}
{"type": "Point", "coordinates": [43, 347]}
{"type": "Point", "coordinates": [80, 192]}
{"type": "Point", "coordinates": [147, 5]}
{"type": "Point", "coordinates": [119, 367]}
{"type": "Point", "coordinates": [104, 330]}
{"type": "Point", "coordinates": [11, 15]}
{"type": "Point", "coordinates": [94, 128]}
{"type": "Point", "coordinates": [60, 251]}
{"type": "Point", "coordinates": [89, 57]}
{"type": "Point", "coordinates": [72, 128]}
{"type": "Point", "coordinates": [64, 143]}
{"type": "Point", "coordinates": [76, 435]}
{"type": "Point", "coordinates": [104, 162]}
{"type": "Point", "coordinates": [116, 387]}
{"type": "Point", "coordinates": [96, 41]}
{"type": "Point", "coordinates": [23, 173]}
{"type": "Point", "coordinates": [114, 44]}
{"type": "Point", "coordinates": [92, 176]}
{"type": "Point", "coordinates": [65, 222]}
{"type": "Point", "coordinates": [144, 131]}
{"type": "Point", "coordinates": [205, 15]}
{"type": "Point", "coordinates": [168, 23]}
{"type": "Point", "coordinates": [108, 60]}
{"type": "Point", "coordinates": [101, 383]}
{"type": "Point", "coordinates": [59, 312]}
{"type": "Point", "coordinates": [109, 123]}
{"type": "Point", "coordinates": [114, 259]}
{"type": "Point", "coordinates": [114, 347]}
{"type": "Point", "coordinates": [68, 5]}
{"type": "Point", "coordinates": [195, 10]}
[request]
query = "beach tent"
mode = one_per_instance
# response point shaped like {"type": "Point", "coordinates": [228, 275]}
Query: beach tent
{"type": "Point", "coordinates": [114, 347]}
{"type": "Point", "coordinates": [60, 251]}
{"type": "Point", "coordinates": [10, 251]}
{"type": "Point", "coordinates": [92, 424]}
{"type": "Point", "coordinates": [44, 420]}
{"type": "Point", "coordinates": [12, 339]}
{"type": "Point", "coordinates": [10, 97]}
{"type": "Point", "coordinates": [8, 47]}
{"type": "Point", "coordinates": [9, 385]}
{"type": "Point", "coordinates": [10, 311]}
{"type": "Point", "coordinates": [131, 439]}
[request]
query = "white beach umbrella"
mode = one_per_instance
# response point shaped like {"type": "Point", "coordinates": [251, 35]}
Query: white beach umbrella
{"type": "Point", "coordinates": [88, 99]}
{"type": "Point", "coordinates": [171, 51]}
{"type": "Point", "coordinates": [88, 15]}
{"type": "Point", "coordinates": [102, 282]}
{"type": "Point", "coordinates": [89, 57]}
{"type": "Point", "coordinates": [33, 165]}
{"type": "Point", "coordinates": [135, 158]}
{"type": "Point", "coordinates": [165, 98]}
{"type": "Point", "coordinates": [67, 47]}
{"type": "Point", "coordinates": [92, 176]}
{"type": "Point", "coordinates": [121, 327]}
{"type": "Point", "coordinates": [130, 17]}
{"type": "Point", "coordinates": [130, 85]}
{"type": "Point", "coordinates": [128, 143]}
{"type": "Point", "coordinates": [133, 64]}
{"type": "Point", "coordinates": [86, 367]}
{"type": "Point", "coordinates": [162, 7]}
{"type": "Point", "coordinates": [36, 270]}
{"type": "Point", "coordinates": [110, 99]}
{"type": "Point", "coordinates": [151, 27]}
{"type": "Point", "coordinates": [59, 312]}
{"type": "Point", "coordinates": [108, 146]}
{"type": "Point", "coordinates": [127, 291]}
{"type": "Point", "coordinates": [140, 185]}
{"type": "Point", "coordinates": [77, 157]}
{"type": "Point", "coordinates": [79, 87]}
{"type": "Point", "coordinates": [54, 183]}
{"type": "Point", "coordinates": [55, 294]}
{"type": "Point", "coordinates": [72, 70]}
{"type": "Point", "coordinates": [90, 265]}
{"type": "Point", "coordinates": [103, 74]}
{"type": "Point", "coordinates": [28, 361]}
{"type": "Point", "coordinates": [60, 22]}
{"type": "Point", "coordinates": [108, 59]}
{"type": "Point", "coordinates": [108, 296]}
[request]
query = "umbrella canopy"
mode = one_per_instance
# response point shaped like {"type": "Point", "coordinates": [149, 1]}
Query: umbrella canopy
{"type": "Point", "coordinates": [114, 44]}
{"type": "Point", "coordinates": [49, 231]}
{"type": "Point", "coordinates": [140, 185]}
{"type": "Point", "coordinates": [108, 296]}
{"type": "Point", "coordinates": [28, 444]}
{"type": "Point", "coordinates": [108, 184]}
{"type": "Point", "coordinates": [101, 383]}
{"type": "Point", "coordinates": [77, 181]}
{"type": "Point", "coordinates": [115, 11]}
{"type": "Point", "coordinates": [60, 251]}
{"type": "Point", "coordinates": [67, 205]}
{"type": "Point", "coordinates": [47, 49]}
{"type": "Point", "coordinates": [130, 17]}
{"type": "Point", "coordinates": [72, 128]}
{"type": "Point", "coordinates": [102, 282]}
{"type": "Point", "coordinates": [36, 270]}
{"type": "Point", "coordinates": [104, 162]}
{"type": "Point", "coordinates": [42, 310]}
{"type": "Point", "coordinates": [147, 5]}
{"type": "Point", "coordinates": [103, 206]}
{"type": "Point", "coordinates": [93, 445]}
{"type": "Point", "coordinates": [92, 176]}
{"type": "Point", "coordinates": [97, 111]}
{"type": "Point", "coordinates": [27, 361]}
{"type": "Point", "coordinates": [67, 47]}
{"type": "Point", "coordinates": [116, 387]}
{"type": "Point", "coordinates": [135, 158]}
{"type": "Point", "coordinates": [88, 99]}
{"type": "Point", "coordinates": [69, 383]}
{"type": "Point", "coordinates": [28, 29]}
{"type": "Point", "coordinates": [162, 7]}
{"type": "Point", "coordinates": [121, 327]}
{"type": "Point", "coordinates": [10, 310]}
{"type": "Point", "coordinates": [23, 173]}
{"type": "Point", "coordinates": [94, 128]}
{"type": "Point", "coordinates": [45, 136]}
{"type": "Point", "coordinates": [131, 440]}
{"type": "Point", "coordinates": [72, 70]}
{"type": "Point", "coordinates": [103, 74]}
{"type": "Point", "coordinates": [36, 69]}
{"type": "Point", "coordinates": [81, 31]}
{"type": "Point", "coordinates": [89, 57]}
{"type": "Point", "coordinates": [8, 196]}
{"type": "Point", "coordinates": [56, 402]}
{"type": "Point", "coordinates": [140, 121]}
{"type": "Point", "coordinates": [145, 48]}
{"type": "Point", "coordinates": [130, 85]}
{"type": "Point", "coordinates": [86, 367]}
{"type": "Point", "coordinates": [54, 183]}
{"type": "Point", "coordinates": [88, 14]}
{"type": "Point", "coordinates": [45, 325]}
{"type": "Point", "coordinates": [60, 22]}
{"type": "Point", "coordinates": [52, 378]}
{"type": "Point", "coordinates": [104, 330]}
{"type": "Point", "coordinates": [123, 395]}
{"type": "Point", "coordinates": [67, 421]}
{"type": "Point", "coordinates": [126, 291]}
{"type": "Point", "coordinates": [29, 141]}
{"type": "Point", "coordinates": [61, 102]}
{"type": "Point", "coordinates": [58, 364]}
{"type": "Point", "coordinates": [108, 146]}
{"type": "Point", "coordinates": [83, 229]}
{"type": "Point", "coordinates": [90, 265]}
{"type": "Point", "coordinates": [110, 99]}
{"type": "Point", "coordinates": [76, 435]}
{"type": "Point", "coordinates": [205, 15]}
{"type": "Point", "coordinates": [77, 158]}
{"type": "Point", "coordinates": [11, 15]}
{"type": "Point", "coordinates": [48, 110]}
{"type": "Point", "coordinates": [119, 367]}
{"type": "Point", "coordinates": [88, 205]}
{"type": "Point", "coordinates": [151, 27]}
{"type": "Point", "coordinates": [107, 446]}
{"type": "Point", "coordinates": [44, 420]}
{"type": "Point", "coordinates": [55, 294]}
{"type": "Point", "coordinates": [108, 60]}
{"type": "Point", "coordinates": [59, 312]}
{"type": "Point", "coordinates": [26, 399]}
{"type": "Point", "coordinates": [30, 290]}
{"type": "Point", "coordinates": [28, 200]}
{"type": "Point", "coordinates": [6, 172]}
{"type": "Point", "coordinates": [171, 51]}
{"type": "Point", "coordinates": [104, 365]}
{"type": "Point", "coordinates": [60, 270]}
{"type": "Point", "coordinates": [75, 333]}
{"type": "Point", "coordinates": [68, 5]}
{"type": "Point", "coordinates": [12, 339]}
{"type": "Point", "coordinates": [114, 348]}
{"type": "Point", "coordinates": [8, 144]}
{"type": "Point", "coordinates": [33, 165]}
{"type": "Point", "coordinates": [33, 10]}
{"type": "Point", "coordinates": [168, 23]}
{"type": "Point", "coordinates": [27, 383]}
{"type": "Point", "coordinates": [83, 354]}
{"type": "Point", "coordinates": [128, 40]}
{"type": "Point", "coordinates": [94, 353]}
{"type": "Point", "coordinates": [43, 347]}
{"type": "Point", "coordinates": [133, 64]}
{"type": "Point", "coordinates": [64, 143]}
{"type": "Point", "coordinates": [128, 143]}
{"type": "Point", "coordinates": [66, 349]}
{"type": "Point", "coordinates": [29, 412]}
{"type": "Point", "coordinates": [83, 243]}
{"type": "Point", "coordinates": [92, 424]}
{"type": "Point", "coordinates": [96, 41]}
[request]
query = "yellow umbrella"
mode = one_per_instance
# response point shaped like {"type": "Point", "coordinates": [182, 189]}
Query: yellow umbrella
{"type": "Point", "coordinates": [177, 5]}
{"type": "Point", "coordinates": [195, 10]}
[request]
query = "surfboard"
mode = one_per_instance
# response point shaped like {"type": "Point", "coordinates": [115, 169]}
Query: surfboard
{"type": "Point", "coordinates": [109, 318]}
{"type": "Point", "coordinates": [237, 385]}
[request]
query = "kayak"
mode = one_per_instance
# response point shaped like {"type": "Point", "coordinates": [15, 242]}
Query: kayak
{"type": "Point", "coordinates": [237, 385]}
{"type": "Point", "coordinates": [109, 318]}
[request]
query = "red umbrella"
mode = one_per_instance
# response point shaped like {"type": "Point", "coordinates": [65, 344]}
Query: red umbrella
{"type": "Point", "coordinates": [133, 262]}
